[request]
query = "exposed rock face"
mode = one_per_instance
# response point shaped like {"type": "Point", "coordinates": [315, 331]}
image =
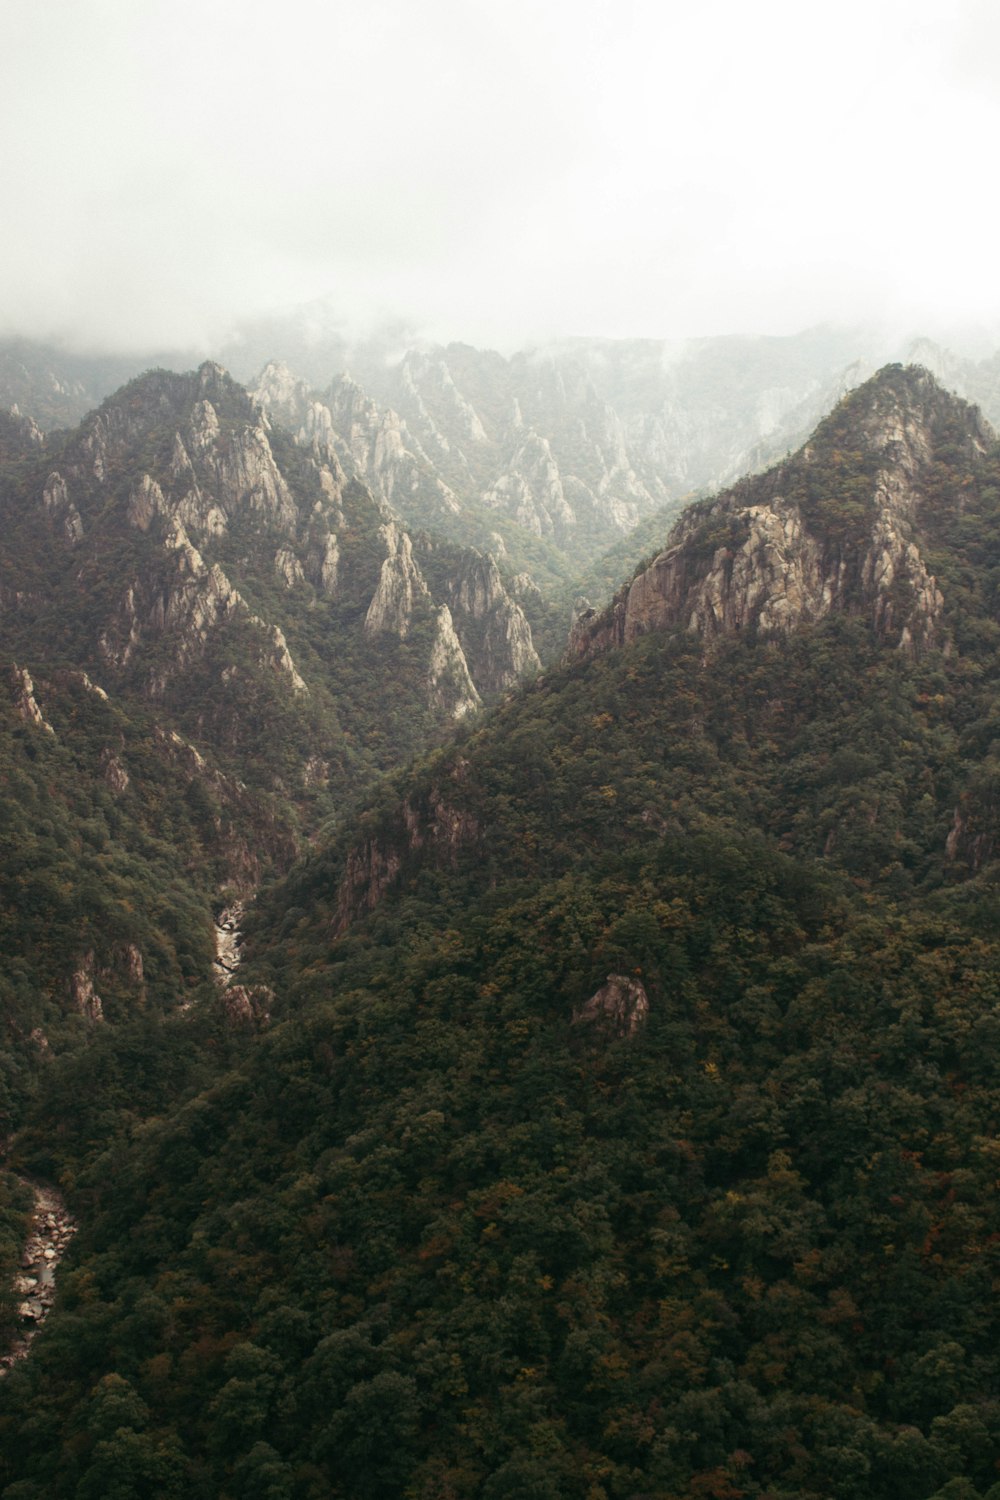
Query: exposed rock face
{"type": "Point", "coordinates": [530, 438]}
{"type": "Point", "coordinates": [754, 560]}
{"type": "Point", "coordinates": [247, 1007]}
{"type": "Point", "coordinates": [86, 999]}
{"type": "Point", "coordinates": [227, 942]}
{"type": "Point", "coordinates": [288, 567]}
{"type": "Point", "coordinates": [376, 446]}
{"type": "Point", "coordinates": [115, 774]}
{"type": "Point", "coordinates": [557, 462]}
{"type": "Point", "coordinates": [24, 698]}
{"type": "Point", "coordinates": [530, 489]}
{"type": "Point", "coordinates": [349, 433]}
{"type": "Point", "coordinates": [621, 1005]}
{"type": "Point", "coordinates": [400, 587]}
{"type": "Point", "coordinates": [194, 599]}
{"type": "Point", "coordinates": [492, 626]}
{"type": "Point", "coordinates": [327, 566]}
{"type": "Point", "coordinates": [508, 650]}
{"type": "Point", "coordinates": [247, 474]}
{"type": "Point", "coordinates": [145, 502]}
{"type": "Point", "coordinates": [452, 690]}
{"type": "Point", "coordinates": [20, 437]}
{"type": "Point", "coordinates": [61, 509]}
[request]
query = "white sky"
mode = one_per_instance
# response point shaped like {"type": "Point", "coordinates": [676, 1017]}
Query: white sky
{"type": "Point", "coordinates": [497, 170]}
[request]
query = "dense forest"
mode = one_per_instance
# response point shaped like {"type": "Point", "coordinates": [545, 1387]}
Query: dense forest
{"type": "Point", "coordinates": [622, 1121]}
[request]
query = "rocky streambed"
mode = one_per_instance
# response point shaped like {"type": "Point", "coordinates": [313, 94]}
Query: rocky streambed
{"type": "Point", "coordinates": [227, 942]}
{"type": "Point", "coordinates": [34, 1286]}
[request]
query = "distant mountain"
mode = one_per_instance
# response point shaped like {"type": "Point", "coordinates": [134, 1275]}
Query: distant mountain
{"type": "Point", "coordinates": [625, 1120]}
{"type": "Point", "coordinates": [550, 459]}
{"type": "Point", "coordinates": [56, 387]}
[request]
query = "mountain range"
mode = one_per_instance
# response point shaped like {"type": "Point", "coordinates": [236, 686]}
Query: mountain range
{"type": "Point", "coordinates": [605, 1102]}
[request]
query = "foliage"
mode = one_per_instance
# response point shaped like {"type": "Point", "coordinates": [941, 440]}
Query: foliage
{"type": "Point", "coordinates": [433, 1234]}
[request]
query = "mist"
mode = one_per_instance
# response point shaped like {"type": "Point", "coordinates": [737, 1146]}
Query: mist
{"type": "Point", "coordinates": [496, 173]}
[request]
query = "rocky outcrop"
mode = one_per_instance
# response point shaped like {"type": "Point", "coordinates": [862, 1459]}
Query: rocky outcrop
{"type": "Point", "coordinates": [768, 556]}
{"type": "Point", "coordinates": [288, 568]}
{"type": "Point", "coordinates": [350, 434]}
{"type": "Point", "coordinates": [145, 502]}
{"type": "Point", "coordinates": [324, 565]}
{"type": "Point", "coordinates": [492, 632]}
{"type": "Point", "coordinates": [452, 691]}
{"type": "Point", "coordinates": [82, 992]}
{"type": "Point", "coordinates": [530, 490]}
{"type": "Point", "coordinates": [247, 1007]}
{"type": "Point", "coordinates": [620, 1006]}
{"type": "Point", "coordinates": [192, 601]}
{"type": "Point", "coordinates": [60, 508]}
{"type": "Point", "coordinates": [400, 587]}
{"type": "Point", "coordinates": [228, 939]}
{"type": "Point", "coordinates": [24, 698]}
{"type": "Point", "coordinates": [20, 437]}
{"type": "Point", "coordinates": [247, 476]}
{"type": "Point", "coordinates": [491, 625]}
{"type": "Point", "coordinates": [114, 771]}
{"type": "Point", "coordinates": [508, 652]}
{"type": "Point", "coordinates": [550, 455]}
{"type": "Point", "coordinates": [385, 454]}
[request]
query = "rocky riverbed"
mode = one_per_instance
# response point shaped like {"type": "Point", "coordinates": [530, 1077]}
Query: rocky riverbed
{"type": "Point", "coordinates": [227, 942]}
{"type": "Point", "coordinates": [50, 1233]}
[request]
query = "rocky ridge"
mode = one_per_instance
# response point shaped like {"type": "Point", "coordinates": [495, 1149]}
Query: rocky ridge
{"type": "Point", "coordinates": [768, 555]}
{"type": "Point", "coordinates": [216, 496]}
{"type": "Point", "coordinates": [344, 427]}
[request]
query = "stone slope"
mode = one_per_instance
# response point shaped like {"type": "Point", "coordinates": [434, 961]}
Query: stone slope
{"type": "Point", "coordinates": [836, 528]}
{"type": "Point", "coordinates": [344, 427]}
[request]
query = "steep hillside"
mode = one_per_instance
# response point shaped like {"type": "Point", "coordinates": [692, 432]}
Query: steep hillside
{"type": "Point", "coordinates": [835, 530]}
{"type": "Point", "coordinates": [212, 640]}
{"type": "Point", "coordinates": [187, 553]}
{"type": "Point", "coordinates": [625, 1124]}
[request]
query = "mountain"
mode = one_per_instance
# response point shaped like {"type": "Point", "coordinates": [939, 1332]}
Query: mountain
{"type": "Point", "coordinates": [57, 386]}
{"type": "Point", "coordinates": [833, 530]}
{"type": "Point", "coordinates": [212, 641]}
{"type": "Point", "coordinates": [564, 461]}
{"type": "Point", "coordinates": [555, 452]}
{"type": "Point", "coordinates": [624, 1123]}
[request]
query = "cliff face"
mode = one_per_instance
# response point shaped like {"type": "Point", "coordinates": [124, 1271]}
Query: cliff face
{"type": "Point", "coordinates": [461, 432]}
{"type": "Point", "coordinates": [489, 622]}
{"type": "Point", "coordinates": [344, 428]}
{"type": "Point", "coordinates": [484, 645]}
{"type": "Point", "coordinates": [840, 527]}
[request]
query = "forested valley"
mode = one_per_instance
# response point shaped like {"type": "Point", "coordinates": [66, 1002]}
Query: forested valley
{"type": "Point", "coordinates": [606, 1101]}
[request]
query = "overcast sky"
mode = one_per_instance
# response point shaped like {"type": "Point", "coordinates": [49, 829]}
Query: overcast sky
{"type": "Point", "coordinates": [497, 170]}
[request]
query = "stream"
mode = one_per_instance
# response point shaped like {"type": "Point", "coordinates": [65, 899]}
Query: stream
{"type": "Point", "coordinates": [50, 1233]}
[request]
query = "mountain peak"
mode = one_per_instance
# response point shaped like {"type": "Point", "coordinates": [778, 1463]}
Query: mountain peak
{"type": "Point", "coordinates": [903, 409]}
{"type": "Point", "coordinates": [835, 528]}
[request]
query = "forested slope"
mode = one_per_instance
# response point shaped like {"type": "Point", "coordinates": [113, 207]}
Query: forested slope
{"type": "Point", "coordinates": [626, 1121]}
